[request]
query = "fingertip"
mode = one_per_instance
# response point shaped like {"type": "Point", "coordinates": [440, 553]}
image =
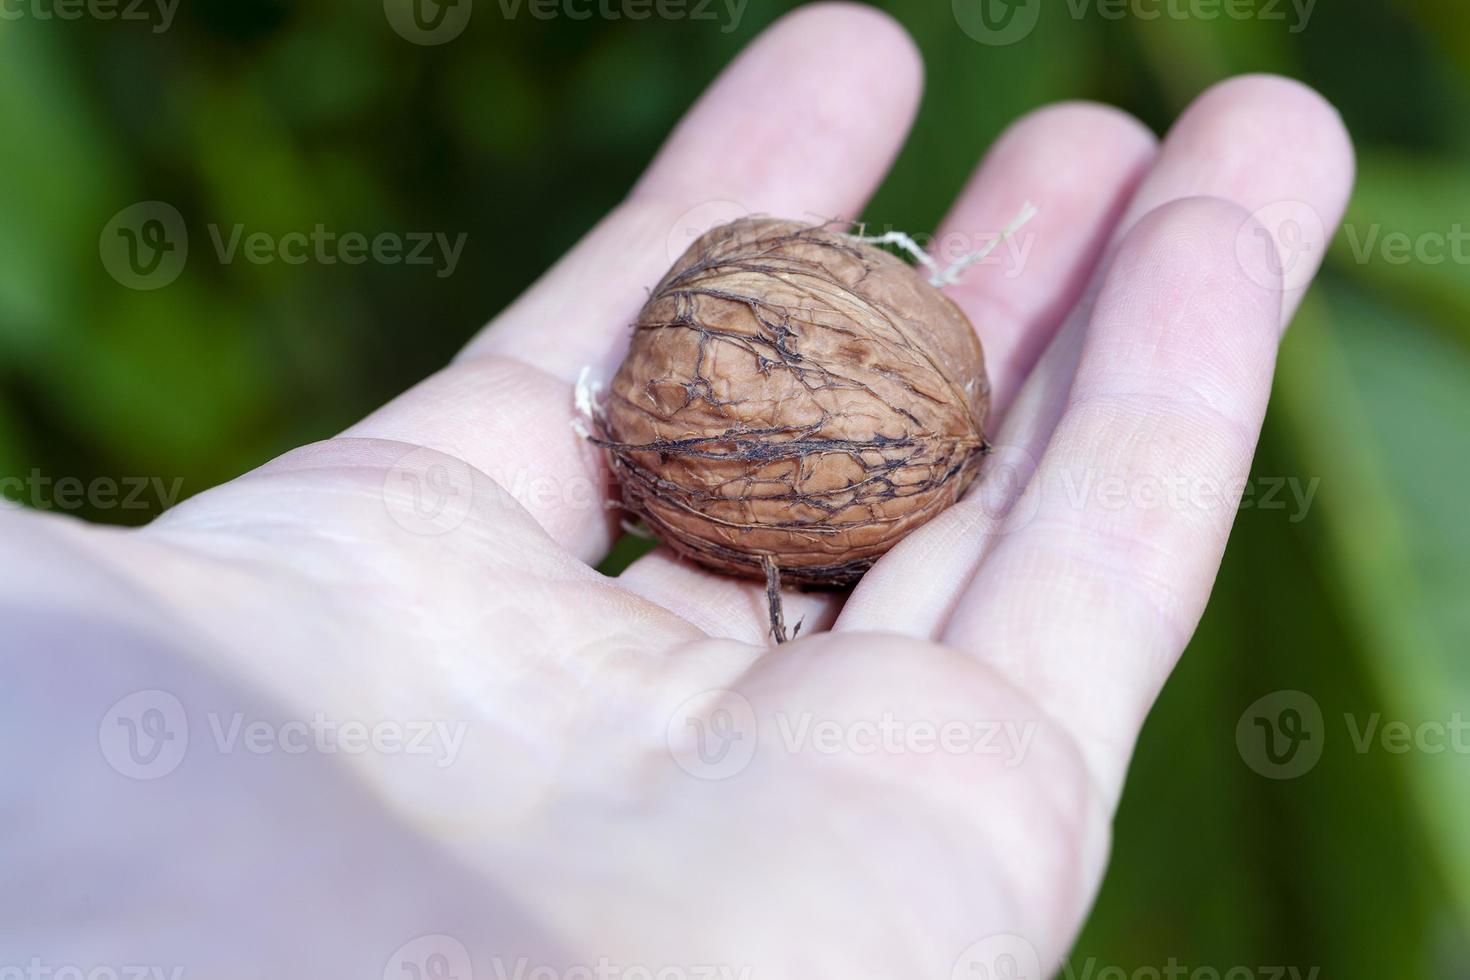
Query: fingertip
{"type": "Point", "coordinates": [1290, 116]}
{"type": "Point", "coordinates": [1293, 97]}
{"type": "Point", "coordinates": [1082, 147]}
{"type": "Point", "coordinates": [872, 71]}
{"type": "Point", "coordinates": [1088, 122]}
{"type": "Point", "coordinates": [1080, 164]}
{"type": "Point", "coordinates": [1274, 146]}
{"type": "Point", "coordinates": [804, 121]}
{"type": "Point", "coordinates": [862, 29]}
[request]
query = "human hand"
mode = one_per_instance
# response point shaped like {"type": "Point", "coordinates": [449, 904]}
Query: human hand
{"type": "Point", "coordinates": [576, 817]}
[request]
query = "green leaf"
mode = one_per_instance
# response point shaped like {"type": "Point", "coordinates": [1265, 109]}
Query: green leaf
{"type": "Point", "coordinates": [1408, 231]}
{"type": "Point", "coordinates": [57, 178]}
{"type": "Point", "coordinates": [1380, 409]}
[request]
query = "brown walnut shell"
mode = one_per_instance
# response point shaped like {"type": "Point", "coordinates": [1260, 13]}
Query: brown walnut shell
{"type": "Point", "coordinates": [796, 397]}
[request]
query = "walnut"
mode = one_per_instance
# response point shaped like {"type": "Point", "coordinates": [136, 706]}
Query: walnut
{"type": "Point", "coordinates": [794, 402]}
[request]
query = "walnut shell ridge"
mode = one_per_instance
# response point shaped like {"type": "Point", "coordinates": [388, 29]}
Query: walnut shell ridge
{"type": "Point", "coordinates": [794, 396]}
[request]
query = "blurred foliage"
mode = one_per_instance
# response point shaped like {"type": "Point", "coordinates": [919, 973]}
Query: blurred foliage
{"type": "Point", "coordinates": [523, 131]}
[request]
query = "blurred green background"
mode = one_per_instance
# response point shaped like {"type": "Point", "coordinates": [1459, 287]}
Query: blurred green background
{"type": "Point", "coordinates": [523, 131]}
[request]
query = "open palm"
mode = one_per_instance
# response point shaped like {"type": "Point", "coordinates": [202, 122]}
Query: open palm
{"type": "Point", "coordinates": [622, 770]}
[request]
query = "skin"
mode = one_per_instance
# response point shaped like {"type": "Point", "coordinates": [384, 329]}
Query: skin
{"type": "Point", "coordinates": [573, 822]}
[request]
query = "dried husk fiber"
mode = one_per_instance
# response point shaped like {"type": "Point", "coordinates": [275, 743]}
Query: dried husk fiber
{"type": "Point", "coordinates": [794, 401]}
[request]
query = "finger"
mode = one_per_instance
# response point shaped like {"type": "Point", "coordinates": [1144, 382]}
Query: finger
{"type": "Point", "coordinates": [1088, 606]}
{"type": "Point", "coordinates": [1255, 140]}
{"type": "Point", "coordinates": [1080, 164]}
{"type": "Point", "coordinates": [804, 123]}
{"type": "Point", "coordinates": [1273, 146]}
{"type": "Point", "coordinates": [805, 120]}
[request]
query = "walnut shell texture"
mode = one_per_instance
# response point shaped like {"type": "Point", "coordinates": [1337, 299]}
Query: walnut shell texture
{"type": "Point", "coordinates": [794, 397]}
